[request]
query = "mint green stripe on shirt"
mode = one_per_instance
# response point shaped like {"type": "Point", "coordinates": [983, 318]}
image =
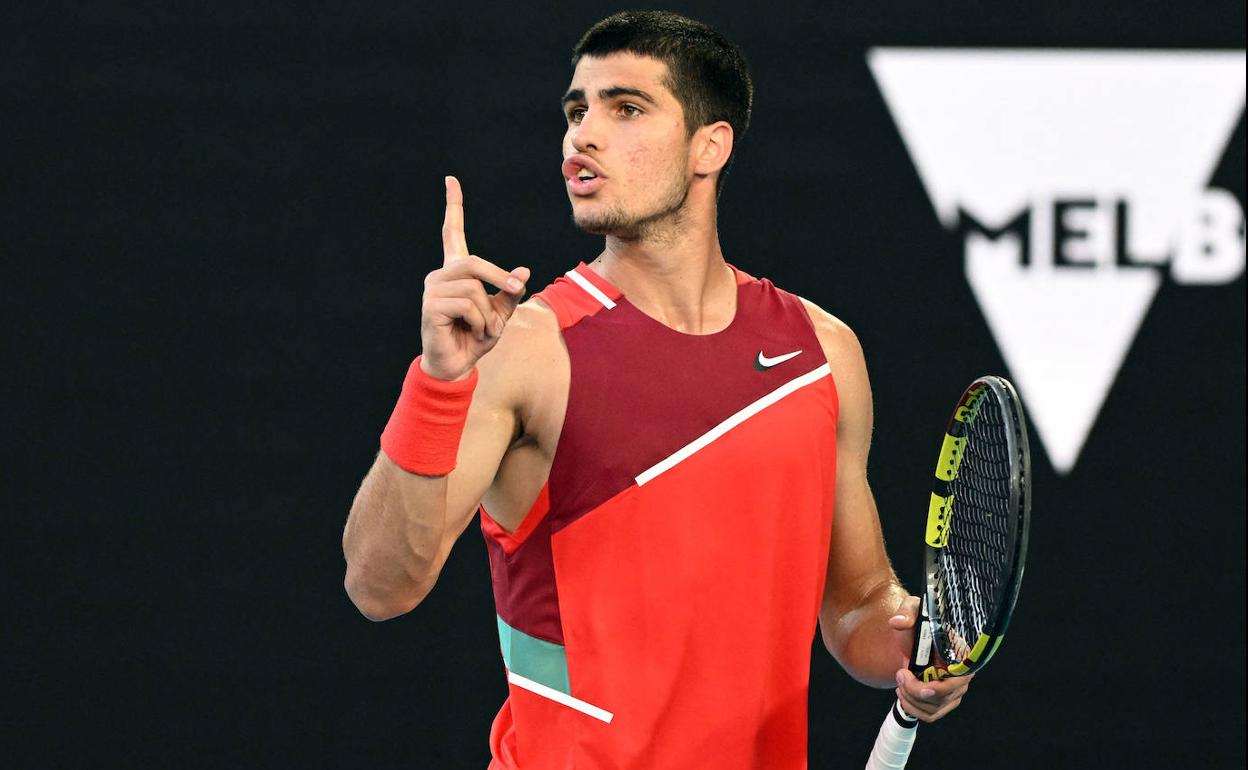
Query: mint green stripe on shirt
{"type": "Point", "coordinates": [532, 658]}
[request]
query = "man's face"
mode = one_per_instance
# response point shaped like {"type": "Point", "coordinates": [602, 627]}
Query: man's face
{"type": "Point", "coordinates": [626, 129]}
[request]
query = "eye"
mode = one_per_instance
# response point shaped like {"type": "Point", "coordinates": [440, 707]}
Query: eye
{"type": "Point", "coordinates": [575, 114]}
{"type": "Point", "coordinates": [630, 110]}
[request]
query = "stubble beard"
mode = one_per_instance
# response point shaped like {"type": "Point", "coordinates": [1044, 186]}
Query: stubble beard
{"type": "Point", "coordinates": [666, 218]}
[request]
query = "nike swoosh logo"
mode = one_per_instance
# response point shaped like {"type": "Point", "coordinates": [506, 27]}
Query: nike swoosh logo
{"type": "Point", "coordinates": [763, 363]}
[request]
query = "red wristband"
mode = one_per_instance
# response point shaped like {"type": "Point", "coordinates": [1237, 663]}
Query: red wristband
{"type": "Point", "coordinates": [424, 430]}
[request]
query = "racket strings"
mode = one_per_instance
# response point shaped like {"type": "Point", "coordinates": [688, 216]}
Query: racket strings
{"type": "Point", "coordinates": [970, 569]}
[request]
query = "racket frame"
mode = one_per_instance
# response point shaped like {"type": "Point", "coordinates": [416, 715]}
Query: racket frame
{"type": "Point", "coordinates": [925, 659]}
{"type": "Point", "coordinates": [895, 740]}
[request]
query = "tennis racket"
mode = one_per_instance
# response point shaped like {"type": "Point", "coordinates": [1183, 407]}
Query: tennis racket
{"type": "Point", "coordinates": [976, 544]}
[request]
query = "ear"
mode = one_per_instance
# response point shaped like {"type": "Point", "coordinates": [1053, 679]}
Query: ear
{"type": "Point", "coordinates": [712, 146]}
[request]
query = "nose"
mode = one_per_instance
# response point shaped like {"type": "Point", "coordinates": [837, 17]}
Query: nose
{"type": "Point", "coordinates": [587, 134]}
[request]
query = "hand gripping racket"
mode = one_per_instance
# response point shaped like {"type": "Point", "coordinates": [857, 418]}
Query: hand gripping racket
{"type": "Point", "coordinates": [976, 543]}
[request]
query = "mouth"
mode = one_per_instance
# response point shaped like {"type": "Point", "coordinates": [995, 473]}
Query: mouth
{"type": "Point", "coordinates": [582, 175]}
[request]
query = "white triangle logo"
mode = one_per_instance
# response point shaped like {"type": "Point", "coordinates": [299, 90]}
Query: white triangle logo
{"type": "Point", "coordinates": [1074, 178]}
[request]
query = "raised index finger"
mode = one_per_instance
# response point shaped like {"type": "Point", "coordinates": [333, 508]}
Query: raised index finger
{"type": "Point", "coordinates": [454, 244]}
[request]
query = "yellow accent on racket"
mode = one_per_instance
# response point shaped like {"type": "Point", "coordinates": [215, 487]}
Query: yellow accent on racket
{"type": "Point", "coordinates": [938, 520]}
{"type": "Point", "coordinates": [950, 457]}
{"type": "Point", "coordinates": [934, 674]}
{"type": "Point", "coordinates": [980, 645]}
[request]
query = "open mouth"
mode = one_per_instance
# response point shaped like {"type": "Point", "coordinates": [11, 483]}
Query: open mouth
{"type": "Point", "coordinates": [582, 175]}
{"type": "Point", "coordinates": [580, 169]}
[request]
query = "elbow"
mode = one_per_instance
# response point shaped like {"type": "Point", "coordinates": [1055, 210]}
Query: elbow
{"type": "Point", "coordinates": [376, 609]}
{"type": "Point", "coordinates": [870, 659]}
{"type": "Point", "coordinates": [836, 627]}
{"type": "Point", "coordinates": [829, 641]}
{"type": "Point", "coordinates": [839, 647]}
{"type": "Point", "coordinates": [863, 666]}
{"type": "Point", "coordinates": [381, 605]}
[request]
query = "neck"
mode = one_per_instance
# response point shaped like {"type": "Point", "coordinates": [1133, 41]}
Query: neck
{"type": "Point", "coordinates": [675, 272]}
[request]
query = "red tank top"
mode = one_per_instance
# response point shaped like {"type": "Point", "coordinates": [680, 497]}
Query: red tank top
{"type": "Point", "coordinates": [656, 607]}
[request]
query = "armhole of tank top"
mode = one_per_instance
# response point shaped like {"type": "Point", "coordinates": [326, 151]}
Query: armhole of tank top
{"type": "Point", "coordinates": [510, 541]}
{"type": "Point", "coordinates": [573, 298]}
{"type": "Point", "coordinates": [560, 309]}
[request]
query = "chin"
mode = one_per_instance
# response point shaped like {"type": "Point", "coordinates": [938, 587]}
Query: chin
{"type": "Point", "coordinates": [592, 225]}
{"type": "Point", "coordinates": [600, 222]}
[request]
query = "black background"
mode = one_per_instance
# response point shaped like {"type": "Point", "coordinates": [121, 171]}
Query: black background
{"type": "Point", "coordinates": [217, 224]}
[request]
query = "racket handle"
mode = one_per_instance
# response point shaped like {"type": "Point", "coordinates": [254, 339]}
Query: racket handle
{"type": "Point", "coordinates": [893, 744]}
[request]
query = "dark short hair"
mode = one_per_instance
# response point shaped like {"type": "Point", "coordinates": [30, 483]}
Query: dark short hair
{"type": "Point", "coordinates": [706, 72]}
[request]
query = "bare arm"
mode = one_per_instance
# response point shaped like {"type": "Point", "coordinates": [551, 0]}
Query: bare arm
{"type": "Point", "coordinates": [862, 592]}
{"type": "Point", "coordinates": [402, 525]}
{"type": "Point", "coordinates": [867, 619]}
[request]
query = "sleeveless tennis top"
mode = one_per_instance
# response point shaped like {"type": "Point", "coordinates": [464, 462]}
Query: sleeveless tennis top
{"type": "Point", "coordinates": [657, 605]}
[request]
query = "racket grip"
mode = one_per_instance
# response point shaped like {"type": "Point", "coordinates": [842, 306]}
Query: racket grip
{"type": "Point", "coordinates": [893, 744]}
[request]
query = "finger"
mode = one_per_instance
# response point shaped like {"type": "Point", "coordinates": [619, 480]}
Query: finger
{"type": "Point", "coordinates": [505, 301]}
{"type": "Point", "coordinates": [919, 690]}
{"type": "Point", "coordinates": [951, 683]}
{"type": "Point", "coordinates": [933, 699]}
{"type": "Point", "coordinates": [944, 690]}
{"type": "Point", "coordinates": [944, 709]}
{"type": "Point", "coordinates": [469, 289]}
{"type": "Point", "coordinates": [928, 703]}
{"type": "Point", "coordinates": [906, 615]}
{"type": "Point", "coordinates": [916, 709]}
{"type": "Point", "coordinates": [445, 311]}
{"type": "Point", "coordinates": [472, 266]}
{"type": "Point", "coordinates": [937, 694]}
{"type": "Point", "coordinates": [454, 244]}
{"type": "Point", "coordinates": [926, 711]}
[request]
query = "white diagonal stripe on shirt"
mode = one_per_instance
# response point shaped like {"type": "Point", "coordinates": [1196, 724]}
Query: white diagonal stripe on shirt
{"type": "Point", "coordinates": [560, 697]}
{"type": "Point", "coordinates": [706, 438]}
{"type": "Point", "coordinates": [591, 289]}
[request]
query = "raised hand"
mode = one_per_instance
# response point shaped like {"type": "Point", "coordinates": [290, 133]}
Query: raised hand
{"type": "Point", "coordinates": [459, 320]}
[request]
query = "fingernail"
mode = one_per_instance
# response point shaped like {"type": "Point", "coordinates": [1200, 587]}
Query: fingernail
{"type": "Point", "coordinates": [901, 677]}
{"type": "Point", "coordinates": [899, 617]}
{"type": "Point", "coordinates": [514, 285]}
{"type": "Point", "coordinates": [926, 693]}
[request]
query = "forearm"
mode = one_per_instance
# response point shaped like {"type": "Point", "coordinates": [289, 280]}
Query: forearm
{"type": "Point", "coordinates": [862, 641]}
{"type": "Point", "coordinates": [393, 540]}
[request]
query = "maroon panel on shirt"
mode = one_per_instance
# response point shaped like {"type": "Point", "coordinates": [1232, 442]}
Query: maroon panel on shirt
{"type": "Point", "coordinates": [639, 392]}
{"type": "Point", "coordinates": [525, 594]}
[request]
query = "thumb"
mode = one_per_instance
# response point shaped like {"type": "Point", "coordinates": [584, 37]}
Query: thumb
{"type": "Point", "coordinates": [906, 614]}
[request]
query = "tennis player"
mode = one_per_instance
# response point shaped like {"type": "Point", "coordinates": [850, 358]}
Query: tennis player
{"type": "Point", "coordinates": [668, 454]}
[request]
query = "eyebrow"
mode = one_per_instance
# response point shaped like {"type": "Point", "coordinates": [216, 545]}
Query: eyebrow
{"type": "Point", "coordinates": [578, 94]}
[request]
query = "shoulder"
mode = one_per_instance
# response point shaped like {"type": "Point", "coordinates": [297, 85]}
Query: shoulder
{"type": "Point", "coordinates": [532, 331]}
{"type": "Point", "coordinates": [840, 345]}
{"type": "Point", "coordinates": [533, 322]}
{"type": "Point", "coordinates": [849, 374]}
{"type": "Point", "coordinates": [528, 356]}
